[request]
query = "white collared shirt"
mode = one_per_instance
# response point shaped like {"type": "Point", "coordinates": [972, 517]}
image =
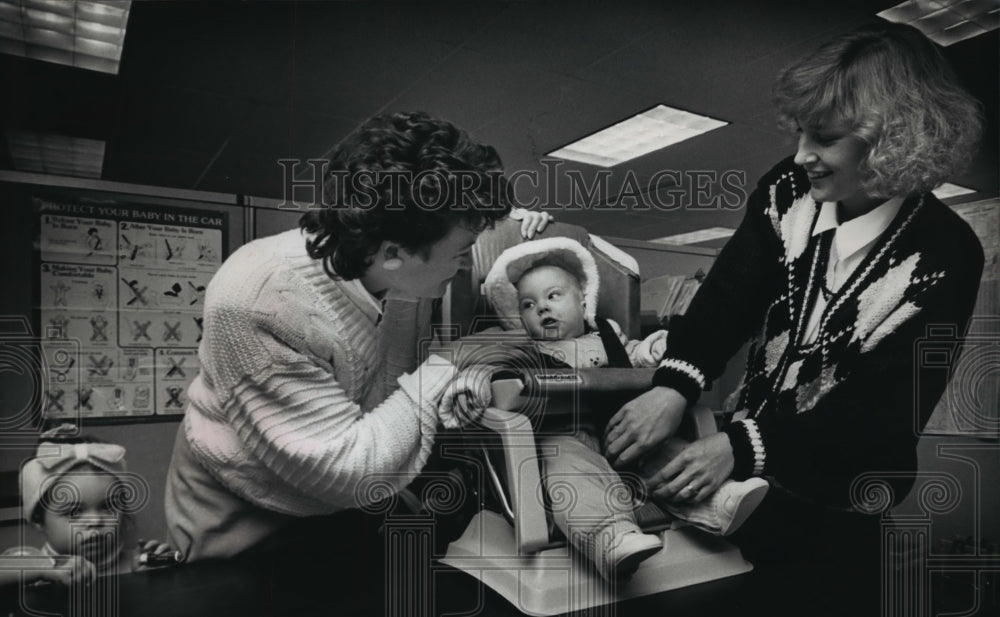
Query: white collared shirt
{"type": "Point", "coordinates": [852, 241]}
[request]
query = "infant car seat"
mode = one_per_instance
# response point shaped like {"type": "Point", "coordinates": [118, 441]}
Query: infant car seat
{"type": "Point", "coordinates": [508, 545]}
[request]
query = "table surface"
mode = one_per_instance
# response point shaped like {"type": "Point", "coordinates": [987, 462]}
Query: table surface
{"type": "Point", "coordinates": [225, 589]}
{"type": "Point", "coordinates": [349, 580]}
{"type": "Point", "coordinates": [353, 583]}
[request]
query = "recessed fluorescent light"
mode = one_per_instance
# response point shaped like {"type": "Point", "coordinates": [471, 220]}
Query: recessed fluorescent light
{"type": "Point", "coordinates": [694, 237]}
{"type": "Point", "coordinates": [946, 21]}
{"type": "Point", "coordinates": [86, 34]}
{"type": "Point", "coordinates": [948, 189]}
{"type": "Point", "coordinates": [56, 154]}
{"type": "Point", "coordinates": [641, 134]}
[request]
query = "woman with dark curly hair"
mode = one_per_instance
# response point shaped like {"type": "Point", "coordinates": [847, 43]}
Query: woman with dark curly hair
{"type": "Point", "coordinates": [843, 261]}
{"type": "Point", "coordinates": [290, 411]}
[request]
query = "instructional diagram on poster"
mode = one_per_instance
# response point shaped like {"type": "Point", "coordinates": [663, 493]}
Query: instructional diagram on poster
{"type": "Point", "coordinates": [125, 285]}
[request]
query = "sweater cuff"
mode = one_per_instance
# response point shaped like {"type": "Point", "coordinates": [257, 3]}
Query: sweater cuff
{"type": "Point", "coordinates": [682, 376]}
{"type": "Point", "coordinates": [426, 384]}
{"type": "Point", "coordinates": [749, 455]}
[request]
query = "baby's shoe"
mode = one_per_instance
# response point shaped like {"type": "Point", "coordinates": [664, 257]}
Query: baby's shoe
{"type": "Point", "coordinates": [726, 510]}
{"type": "Point", "coordinates": [624, 552]}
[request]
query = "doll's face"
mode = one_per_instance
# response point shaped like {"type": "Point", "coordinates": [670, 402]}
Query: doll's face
{"type": "Point", "coordinates": [832, 156]}
{"type": "Point", "coordinates": [551, 304]}
{"type": "Point", "coordinates": [78, 517]}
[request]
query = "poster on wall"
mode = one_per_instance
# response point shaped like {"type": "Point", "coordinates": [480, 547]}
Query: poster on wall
{"type": "Point", "coordinates": [126, 286]}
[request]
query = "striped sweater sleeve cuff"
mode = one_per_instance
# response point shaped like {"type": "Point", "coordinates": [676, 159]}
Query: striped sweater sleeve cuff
{"type": "Point", "coordinates": [427, 383]}
{"type": "Point", "coordinates": [749, 456]}
{"type": "Point", "coordinates": [682, 376]}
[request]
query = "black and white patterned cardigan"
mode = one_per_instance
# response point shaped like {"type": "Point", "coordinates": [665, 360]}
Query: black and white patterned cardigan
{"type": "Point", "coordinates": [856, 399]}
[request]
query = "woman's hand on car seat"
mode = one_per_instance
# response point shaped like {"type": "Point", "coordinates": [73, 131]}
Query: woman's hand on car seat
{"type": "Point", "coordinates": [641, 424]}
{"type": "Point", "coordinates": [466, 397]}
{"type": "Point", "coordinates": [532, 221]}
{"type": "Point", "coordinates": [694, 474]}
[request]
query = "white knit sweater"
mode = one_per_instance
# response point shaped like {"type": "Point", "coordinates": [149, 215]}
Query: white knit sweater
{"type": "Point", "coordinates": [288, 411]}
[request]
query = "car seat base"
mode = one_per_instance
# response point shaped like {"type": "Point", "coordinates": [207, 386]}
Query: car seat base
{"type": "Point", "coordinates": [556, 580]}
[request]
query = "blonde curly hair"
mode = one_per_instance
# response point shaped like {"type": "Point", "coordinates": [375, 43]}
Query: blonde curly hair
{"type": "Point", "coordinates": [901, 98]}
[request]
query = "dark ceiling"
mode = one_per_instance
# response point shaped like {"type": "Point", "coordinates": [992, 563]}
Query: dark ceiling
{"type": "Point", "coordinates": [210, 95]}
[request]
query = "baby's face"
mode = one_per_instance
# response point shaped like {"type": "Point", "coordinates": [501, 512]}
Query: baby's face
{"type": "Point", "coordinates": [79, 518]}
{"type": "Point", "coordinates": [551, 304]}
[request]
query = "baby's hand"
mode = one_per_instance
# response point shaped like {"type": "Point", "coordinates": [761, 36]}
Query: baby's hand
{"type": "Point", "coordinates": [73, 569]}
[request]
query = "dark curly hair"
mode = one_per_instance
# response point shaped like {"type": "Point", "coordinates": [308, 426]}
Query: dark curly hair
{"type": "Point", "coordinates": [406, 178]}
{"type": "Point", "coordinates": [900, 96]}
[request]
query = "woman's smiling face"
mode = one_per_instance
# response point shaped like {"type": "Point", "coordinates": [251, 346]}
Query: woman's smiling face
{"type": "Point", "coordinates": [832, 156]}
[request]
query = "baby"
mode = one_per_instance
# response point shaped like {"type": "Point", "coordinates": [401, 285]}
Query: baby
{"type": "Point", "coordinates": [70, 492]}
{"type": "Point", "coordinates": [551, 286]}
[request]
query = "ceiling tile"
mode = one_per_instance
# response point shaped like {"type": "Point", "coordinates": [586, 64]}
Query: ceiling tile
{"type": "Point", "coordinates": [564, 37]}
{"type": "Point", "coordinates": [210, 95]}
{"type": "Point", "coordinates": [249, 162]}
{"type": "Point", "coordinates": [154, 166]}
